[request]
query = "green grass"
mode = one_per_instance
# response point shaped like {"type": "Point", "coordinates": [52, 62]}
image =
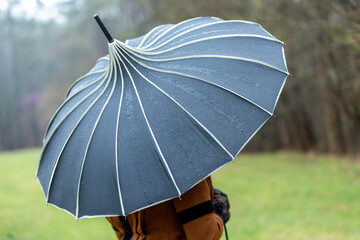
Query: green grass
{"type": "Point", "coordinates": [23, 211]}
{"type": "Point", "coordinates": [273, 196]}
{"type": "Point", "coordinates": [292, 196]}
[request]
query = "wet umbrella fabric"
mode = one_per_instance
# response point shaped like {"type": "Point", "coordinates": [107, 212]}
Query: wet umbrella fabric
{"type": "Point", "coordinates": [159, 114]}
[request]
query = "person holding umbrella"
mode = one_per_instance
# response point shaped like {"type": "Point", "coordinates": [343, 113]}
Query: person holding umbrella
{"type": "Point", "coordinates": [140, 134]}
{"type": "Point", "coordinates": [196, 215]}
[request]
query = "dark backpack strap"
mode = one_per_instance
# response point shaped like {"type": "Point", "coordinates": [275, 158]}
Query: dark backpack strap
{"type": "Point", "coordinates": [127, 228]}
{"type": "Point", "coordinates": [196, 211]}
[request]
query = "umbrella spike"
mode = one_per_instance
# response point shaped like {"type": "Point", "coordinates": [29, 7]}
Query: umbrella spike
{"type": "Point", "coordinates": [103, 28]}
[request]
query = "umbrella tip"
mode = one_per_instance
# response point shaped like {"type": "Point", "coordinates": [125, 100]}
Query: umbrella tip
{"type": "Point", "coordinates": [103, 28]}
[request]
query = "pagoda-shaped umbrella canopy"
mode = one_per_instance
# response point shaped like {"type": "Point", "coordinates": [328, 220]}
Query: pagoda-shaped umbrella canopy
{"type": "Point", "coordinates": [159, 114]}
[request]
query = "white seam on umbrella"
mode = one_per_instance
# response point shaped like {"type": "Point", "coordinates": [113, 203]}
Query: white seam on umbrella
{"type": "Point", "coordinates": [75, 106]}
{"type": "Point", "coordinates": [147, 35]}
{"type": "Point", "coordinates": [142, 40]}
{"type": "Point", "coordinates": [151, 132]}
{"type": "Point", "coordinates": [68, 138]}
{"type": "Point", "coordinates": [156, 34]}
{"type": "Point", "coordinates": [82, 77]}
{"type": "Point", "coordinates": [72, 109]}
{"type": "Point", "coordinates": [195, 28]}
{"type": "Point", "coordinates": [90, 138]}
{"type": "Point", "coordinates": [63, 119]}
{"type": "Point", "coordinates": [61, 208]}
{"type": "Point", "coordinates": [108, 215]}
{"type": "Point", "coordinates": [283, 54]}
{"type": "Point", "coordinates": [204, 39]}
{"type": "Point", "coordinates": [190, 30]}
{"type": "Point", "coordinates": [102, 76]}
{"type": "Point", "coordinates": [200, 79]}
{"type": "Point", "coordinates": [98, 70]}
{"type": "Point", "coordinates": [116, 136]}
{"type": "Point", "coordinates": [66, 101]}
{"type": "Point", "coordinates": [135, 210]}
{"type": "Point", "coordinates": [266, 31]}
{"type": "Point", "coordinates": [210, 56]}
{"type": "Point", "coordinates": [189, 114]}
{"type": "Point", "coordinates": [252, 135]}
{"type": "Point", "coordinates": [181, 30]}
{"type": "Point", "coordinates": [215, 56]}
{"type": "Point", "coordinates": [82, 88]}
{"type": "Point", "coordinates": [211, 173]}
{"type": "Point", "coordinates": [233, 158]}
{"type": "Point", "coordinates": [153, 204]}
{"type": "Point", "coordinates": [277, 98]}
{"type": "Point", "coordinates": [64, 145]}
{"type": "Point", "coordinates": [169, 29]}
{"type": "Point", "coordinates": [162, 34]}
{"type": "Point", "coordinates": [85, 216]}
{"type": "Point", "coordinates": [102, 58]}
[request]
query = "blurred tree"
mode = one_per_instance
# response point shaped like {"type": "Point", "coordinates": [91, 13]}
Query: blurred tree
{"type": "Point", "coordinates": [320, 106]}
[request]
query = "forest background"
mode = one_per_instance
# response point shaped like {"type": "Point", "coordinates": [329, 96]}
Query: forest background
{"type": "Point", "coordinates": [319, 109]}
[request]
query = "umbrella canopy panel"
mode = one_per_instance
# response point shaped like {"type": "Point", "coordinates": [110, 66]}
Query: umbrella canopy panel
{"type": "Point", "coordinates": [159, 114]}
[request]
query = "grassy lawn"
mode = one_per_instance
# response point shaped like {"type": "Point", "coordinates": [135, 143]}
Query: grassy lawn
{"type": "Point", "coordinates": [273, 196]}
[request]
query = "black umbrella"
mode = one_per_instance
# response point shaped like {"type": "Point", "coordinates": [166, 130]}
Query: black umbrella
{"type": "Point", "coordinates": [159, 114]}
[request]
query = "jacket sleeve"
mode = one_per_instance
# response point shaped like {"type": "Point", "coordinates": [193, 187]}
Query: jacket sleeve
{"type": "Point", "coordinates": [207, 227]}
{"type": "Point", "coordinates": [119, 231]}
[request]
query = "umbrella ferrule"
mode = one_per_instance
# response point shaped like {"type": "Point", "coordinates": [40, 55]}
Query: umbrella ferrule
{"type": "Point", "coordinates": [103, 28]}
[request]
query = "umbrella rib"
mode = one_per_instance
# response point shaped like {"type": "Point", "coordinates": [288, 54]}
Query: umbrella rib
{"type": "Point", "coordinates": [85, 216]}
{"type": "Point", "coordinates": [147, 35]}
{"type": "Point", "coordinates": [252, 135]}
{"type": "Point", "coordinates": [150, 130]}
{"type": "Point", "coordinates": [97, 71]}
{"type": "Point", "coordinates": [68, 138]}
{"type": "Point", "coordinates": [89, 74]}
{"type": "Point", "coordinates": [62, 120]}
{"type": "Point", "coordinates": [200, 79]}
{"type": "Point", "coordinates": [86, 75]}
{"type": "Point", "coordinates": [277, 98]}
{"type": "Point", "coordinates": [196, 28]}
{"type": "Point", "coordinates": [74, 107]}
{"type": "Point", "coordinates": [103, 58]}
{"type": "Point", "coordinates": [155, 35]}
{"type": "Point", "coordinates": [207, 56]}
{"type": "Point", "coordinates": [168, 30]}
{"type": "Point", "coordinates": [177, 103]}
{"type": "Point", "coordinates": [204, 39]}
{"type": "Point", "coordinates": [80, 90]}
{"type": "Point", "coordinates": [117, 135]}
{"type": "Point", "coordinates": [91, 135]}
{"type": "Point", "coordinates": [67, 100]}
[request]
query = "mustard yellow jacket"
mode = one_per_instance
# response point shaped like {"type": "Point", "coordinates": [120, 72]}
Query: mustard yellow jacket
{"type": "Point", "coordinates": [161, 222]}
